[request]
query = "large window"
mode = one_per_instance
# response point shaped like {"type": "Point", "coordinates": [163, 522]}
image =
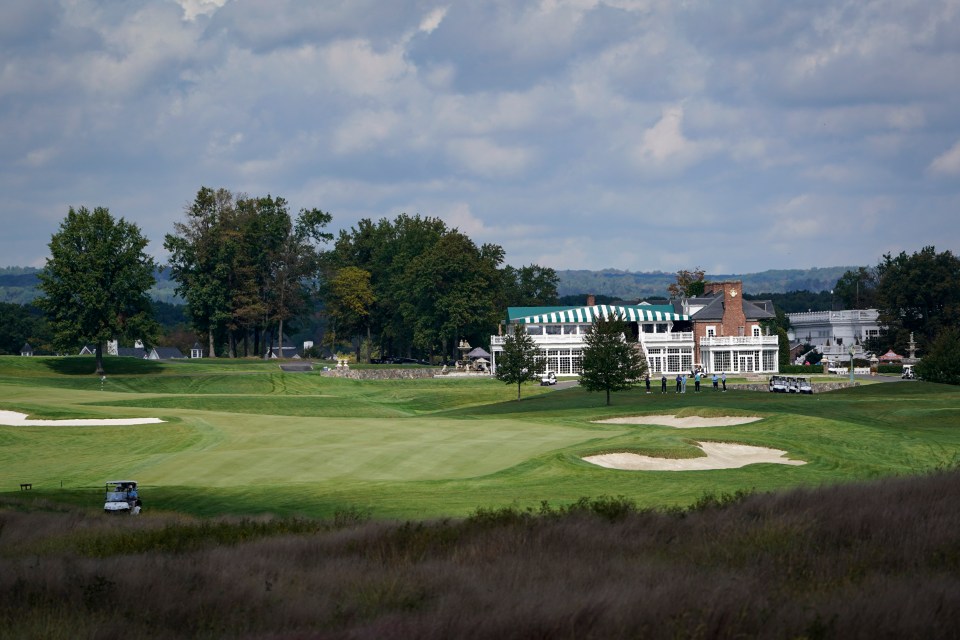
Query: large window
{"type": "Point", "coordinates": [565, 366]}
{"type": "Point", "coordinates": [576, 361]}
{"type": "Point", "coordinates": [769, 360]}
{"type": "Point", "coordinates": [553, 329]}
{"type": "Point", "coordinates": [721, 361]}
{"type": "Point", "coordinates": [569, 329]}
{"type": "Point", "coordinates": [534, 330]}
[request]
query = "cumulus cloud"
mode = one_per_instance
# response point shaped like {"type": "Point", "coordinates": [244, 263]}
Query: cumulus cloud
{"type": "Point", "coordinates": [583, 133]}
{"type": "Point", "coordinates": [948, 162]}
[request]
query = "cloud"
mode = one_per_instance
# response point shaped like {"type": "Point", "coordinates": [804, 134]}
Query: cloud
{"type": "Point", "coordinates": [948, 162]}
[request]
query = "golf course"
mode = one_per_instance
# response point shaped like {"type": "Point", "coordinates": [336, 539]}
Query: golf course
{"type": "Point", "coordinates": [243, 437]}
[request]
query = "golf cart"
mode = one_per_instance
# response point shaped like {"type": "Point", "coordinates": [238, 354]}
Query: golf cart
{"type": "Point", "coordinates": [548, 379]}
{"type": "Point", "coordinates": [778, 384]}
{"type": "Point", "coordinates": [908, 372]}
{"type": "Point", "coordinates": [122, 497]}
{"type": "Point", "coordinates": [804, 386]}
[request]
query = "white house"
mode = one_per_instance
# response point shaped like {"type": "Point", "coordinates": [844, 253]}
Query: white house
{"type": "Point", "coordinates": [718, 332]}
{"type": "Point", "coordinates": [559, 332]}
{"type": "Point", "coordinates": [833, 333]}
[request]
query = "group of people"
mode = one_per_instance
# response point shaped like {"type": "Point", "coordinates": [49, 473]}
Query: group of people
{"type": "Point", "coordinates": [681, 381]}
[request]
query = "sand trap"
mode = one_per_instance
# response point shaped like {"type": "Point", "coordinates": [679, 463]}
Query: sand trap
{"type": "Point", "coordinates": [689, 422]}
{"type": "Point", "coordinates": [720, 455]}
{"type": "Point", "coordinates": [14, 419]}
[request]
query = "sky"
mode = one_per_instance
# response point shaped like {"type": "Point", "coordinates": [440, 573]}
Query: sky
{"type": "Point", "coordinates": [640, 135]}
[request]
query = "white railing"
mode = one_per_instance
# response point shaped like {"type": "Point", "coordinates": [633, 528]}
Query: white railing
{"type": "Point", "coordinates": [551, 339]}
{"type": "Point", "coordinates": [729, 341]}
{"type": "Point", "coordinates": [677, 336]}
{"type": "Point", "coordinates": [823, 316]}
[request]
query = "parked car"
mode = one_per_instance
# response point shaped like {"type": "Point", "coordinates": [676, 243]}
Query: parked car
{"type": "Point", "coordinates": [122, 496]}
{"type": "Point", "coordinates": [548, 379]}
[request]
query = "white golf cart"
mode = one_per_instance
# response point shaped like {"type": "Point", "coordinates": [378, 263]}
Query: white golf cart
{"type": "Point", "coordinates": [778, 384]}
{"type": "Point", "coordinates": [122, 496]}
{"type": "Point", "coordinates": [908, 372]}
{"type": "Point", "coordinates": [548, 379]}
{"type": "Point", "coordinates": [804, 386]}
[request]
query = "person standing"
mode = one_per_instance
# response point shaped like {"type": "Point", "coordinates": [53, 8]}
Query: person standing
{"type": "Point", "coordinates": [679, 381]}
{"type": "Point", "coordinates": [663, 383]}
{"type": "Point", "coordinates": [647, 380]}
{"type": "Point", "coordinates": [683, 386]}
{"type": "Point", "coordinates": [723, 379]}
{"type": "Point", "coordinates": [696, 382]}
{"type": "Point", "coordinates": [716, 381]}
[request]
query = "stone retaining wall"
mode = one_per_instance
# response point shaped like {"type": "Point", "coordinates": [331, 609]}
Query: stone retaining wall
{"type": "Point", "coordinates": [382, 374]}
{"type": "Point", "coordinates": [818, 387]}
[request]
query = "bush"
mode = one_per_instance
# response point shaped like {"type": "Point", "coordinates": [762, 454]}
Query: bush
{"type": "Point", "coordinates": [890, 368]}
{"type": "Point", "coordinates": [810, 369]}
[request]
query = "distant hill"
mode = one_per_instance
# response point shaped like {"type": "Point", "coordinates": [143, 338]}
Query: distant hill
{"type": "Point", "coordinates": [629, 285]}
{"type": "Point", "coordinates": [18, 285]}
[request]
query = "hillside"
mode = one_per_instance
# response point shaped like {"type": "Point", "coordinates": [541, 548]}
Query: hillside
{"type": "Point", "coordinates": [19, 284]}
{"type": "Point", "coordinates": [632, 284]}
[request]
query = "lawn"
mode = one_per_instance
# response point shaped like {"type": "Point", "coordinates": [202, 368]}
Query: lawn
{"type": "Point", "coordinates": [243, 437]}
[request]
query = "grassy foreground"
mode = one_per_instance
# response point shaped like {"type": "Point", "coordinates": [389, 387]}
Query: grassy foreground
{"type": "Point", "coordinates": [245, 438]}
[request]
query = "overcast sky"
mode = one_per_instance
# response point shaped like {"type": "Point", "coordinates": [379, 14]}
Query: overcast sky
{"type": "Point", "coordinates": [634, 134]}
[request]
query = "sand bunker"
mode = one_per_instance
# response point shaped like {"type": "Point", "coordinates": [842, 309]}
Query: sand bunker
{"type": "Point", "coordinates": [689, 422]}
{"type": "Point", "coordinates": [14, 419]}
{"type": "Point", "coordinates": [720, 455]}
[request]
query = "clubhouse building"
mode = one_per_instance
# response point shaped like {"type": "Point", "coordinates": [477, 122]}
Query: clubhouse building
{"type": "Point", "coordinates": [716, 332]}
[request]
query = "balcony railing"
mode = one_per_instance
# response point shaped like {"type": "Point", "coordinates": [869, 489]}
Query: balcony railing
{"type": "Point", "coordinates": [648, 338]}
{"type": "Point", "coordinates": [730, 341]}
{"type": "Point", "coordinates": [676, 336]}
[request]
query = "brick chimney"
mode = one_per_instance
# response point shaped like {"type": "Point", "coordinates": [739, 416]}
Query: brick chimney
{"type": "Point", "coordinates": [591, 300]}
{"type": "Point", "coordinates": [734, 322]}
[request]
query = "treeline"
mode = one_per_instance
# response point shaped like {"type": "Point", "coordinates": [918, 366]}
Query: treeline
{"type": "Point", "coordinates": [414, 286]}
{"type": "Point", "coordinates": [409, 286]}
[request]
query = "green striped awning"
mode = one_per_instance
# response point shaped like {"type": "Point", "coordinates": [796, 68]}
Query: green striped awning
{"type": "Point", "coordinates": [630, 313]}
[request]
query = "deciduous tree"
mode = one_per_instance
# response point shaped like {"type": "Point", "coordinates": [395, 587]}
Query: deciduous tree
{"type": "Point", "coordinates": [689, 283]}
{"type": "Point", "coordinates": [520, 360]}
{"type": "Point", "coordinates": [610, 363]}
{"type": "Point", "coordinates": [941, 363]}
{"type": "Point", "coordinates": [96, 280]}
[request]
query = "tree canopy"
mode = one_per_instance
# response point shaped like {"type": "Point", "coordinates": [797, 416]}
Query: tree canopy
{"type": "Point", "coordinates": [243, 265]}
{"type": "Point", "coordinates": [941, 363]}
{"type": "Point", "coordinates": [96, 280]}
{"type": "Point", "coordinates": [610, 363]}
{"type": "Point", "coordinates": [917, 294]}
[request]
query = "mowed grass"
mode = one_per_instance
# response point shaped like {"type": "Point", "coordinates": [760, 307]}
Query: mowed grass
{"type": "Point", "coordinates": [243, 437]}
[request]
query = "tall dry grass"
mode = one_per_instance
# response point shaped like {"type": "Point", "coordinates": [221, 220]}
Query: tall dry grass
{"type": "Point", "coordinates": [879, 560]}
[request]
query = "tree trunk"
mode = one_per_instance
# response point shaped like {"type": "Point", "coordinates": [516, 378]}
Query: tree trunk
{"type": "Point", "coordinates": [280, 340]}
{"type": "Point", "coordinates": [212, 352]}
{"type": "Point", "coordinates": [232, 342]}
{"type": "Point", "coordinates": [518, 389]}
{"type": "Point", "coordinates": [608, 397]}
{"type": "Point", "coordinates": [99, 356]}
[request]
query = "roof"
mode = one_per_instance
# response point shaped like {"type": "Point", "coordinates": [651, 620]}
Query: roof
{"type": "Point", "coordinates": [631, 313]}
{"type": "Point", "coordinates": [167, 353]}
{"type": "Point", "coordinates": [713, 307]}
{"type": "Point", "coordinates": [131, 352]}
{"type": "Point", "coordinates": [479, 352]}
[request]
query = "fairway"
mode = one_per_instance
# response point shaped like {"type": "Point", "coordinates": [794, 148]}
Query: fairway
{"type": "Point", "coordinates": [244, 437]}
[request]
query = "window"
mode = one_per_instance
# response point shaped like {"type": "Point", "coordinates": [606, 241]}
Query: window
{"type": "Point", "coordinates": [711, 331]}
{"type": "Point", "coordinates": [648, 327]}
{"type": "Point", "coordinates": [769, 360]}
{"type": "Point", "coordinates": [662, 328]}
{"type": "Point", "coordinates": [756, 332]}
{"type": "Point", "coordinates": [553, 329]}
{"type": "Point", "coordinates": [564, 361]}
{"type": "Point", "coordinates": [740, 331]}
{"type": "Point", "coordinates": [569, 329]}
{"type": "Point", "coordinates": [576, 361]}
{"type": "Point", "coordinates": [721, 361]}
{"type": "Point", "coordinates": [585, 329]}
{"type": "Point", "coordinates": [534, 330]}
